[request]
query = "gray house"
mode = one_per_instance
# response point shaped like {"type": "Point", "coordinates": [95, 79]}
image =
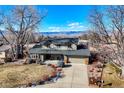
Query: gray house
{"type": "Point", "coordinates": [55, 49]}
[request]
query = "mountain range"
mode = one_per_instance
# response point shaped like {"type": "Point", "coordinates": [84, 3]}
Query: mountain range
{"type": "Point", "coordinates": [65, 33]}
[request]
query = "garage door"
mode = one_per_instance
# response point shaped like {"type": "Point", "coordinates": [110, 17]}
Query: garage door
{"type": "Point", "coordinates": [78, 60]}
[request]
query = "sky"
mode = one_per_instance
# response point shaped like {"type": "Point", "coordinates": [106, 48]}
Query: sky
{"type": "Point", "coordinates": [63, 17]}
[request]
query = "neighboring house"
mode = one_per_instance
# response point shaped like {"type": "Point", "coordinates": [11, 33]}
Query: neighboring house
{"type": "Point", "coordinates": [56, 48]}
{"type": "Point", "coordinates": [4, 49]}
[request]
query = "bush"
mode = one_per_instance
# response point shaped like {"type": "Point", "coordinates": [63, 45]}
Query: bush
{"type": "Point", "coordinates": [8, 59]}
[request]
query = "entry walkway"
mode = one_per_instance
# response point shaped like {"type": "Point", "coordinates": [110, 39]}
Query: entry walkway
{"type": "Point", "coordinates": [75, 77]}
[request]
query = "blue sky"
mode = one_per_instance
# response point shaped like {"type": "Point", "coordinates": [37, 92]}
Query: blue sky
{"type": "Point", "coordinates": [63, 17]}
{"type": "Point", "coordinates": [66, 18]}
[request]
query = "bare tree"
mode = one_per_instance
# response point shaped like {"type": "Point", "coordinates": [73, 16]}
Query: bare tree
{"type": "Point", "coordinates": [94, 38]}
{"type": "Point", "coordinates": [110, 26]}
{"type": "Point", "coordinates": [20, 23]}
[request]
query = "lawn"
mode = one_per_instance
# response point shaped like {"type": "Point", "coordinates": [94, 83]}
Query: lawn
{"type": "Point", "coordinates": [12, 75]}
{"type": "Point", "coordinates": [110, 75]}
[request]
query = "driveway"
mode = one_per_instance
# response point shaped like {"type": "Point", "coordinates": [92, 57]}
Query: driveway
{"type": "Point", "coordinates": [75, 77]}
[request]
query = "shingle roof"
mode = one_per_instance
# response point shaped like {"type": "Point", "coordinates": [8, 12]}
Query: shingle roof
{"type": "Point", "coordinates": [4, 48]}
{"type": "Point", "coordinates": [81, 52]}
{"type": "Point", "coordinates": [38, 50]}
{"type": "Point", "coordinates": [60, 41]}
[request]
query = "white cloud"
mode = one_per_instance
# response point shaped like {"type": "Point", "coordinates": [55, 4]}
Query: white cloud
{"type": "Point", "coordinates": [54, 29]}
{"type": "Point", "coordinates": [75, 26]}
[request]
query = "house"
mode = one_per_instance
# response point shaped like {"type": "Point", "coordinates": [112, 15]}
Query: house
{"type": "Point", "coordinates": [4, 49]}
{"type": "Point", "coordinates": [55, 49]}
{"type": "Point", "coordinates": [6, 52]}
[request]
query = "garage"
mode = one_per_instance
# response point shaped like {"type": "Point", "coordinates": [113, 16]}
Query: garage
{"type": "Point", "coordinates": [78, 59]}
{"type": "Point", "coordinates": [53, 57]}
{"type": "Point", "coordinates": [73, 56]}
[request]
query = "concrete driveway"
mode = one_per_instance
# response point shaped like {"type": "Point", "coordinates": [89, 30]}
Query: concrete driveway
{"type": "Point", "coordinates": [75, 77]}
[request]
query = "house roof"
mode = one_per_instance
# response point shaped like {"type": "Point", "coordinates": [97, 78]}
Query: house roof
{"type": "Point", "coordinates": [38, 50]}
{"type": "Point", "coordinates": [81, 52]}
{"type": "Point", "coordinates": [30, 45]}
{"type": "Point", "coordinates": [4, 48]}
{"type": "Point", "coordinates": [61, 41]}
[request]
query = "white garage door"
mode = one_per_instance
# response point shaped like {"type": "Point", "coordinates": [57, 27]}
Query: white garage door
{"type": "Point", "coordinates": [78, 60]}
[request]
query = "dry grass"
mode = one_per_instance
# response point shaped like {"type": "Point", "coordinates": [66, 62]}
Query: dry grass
{"type": "Point", "coordinates": [110, 75]}
{"type": "Point", "coordinates": [18, 75]}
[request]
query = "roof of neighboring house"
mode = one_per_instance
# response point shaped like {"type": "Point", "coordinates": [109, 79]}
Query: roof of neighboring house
{"type": "Point", "coordinates": [4, 48]}
{"type": "Point", "coordinates": [30, 45]}
{"type": "Point", "coordinates": [61, 41]}
{"type": "Point", "coordinates": [81, 52]}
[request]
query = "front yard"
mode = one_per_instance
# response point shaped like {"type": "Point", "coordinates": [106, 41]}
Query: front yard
{"type": "Point", "coordinates": [15, 75]}
{"type": "Point", "coordinates": [111, 78]}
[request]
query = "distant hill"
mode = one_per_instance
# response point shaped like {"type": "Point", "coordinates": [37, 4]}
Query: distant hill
{"type": "Point", "coordinates": [64, 33]}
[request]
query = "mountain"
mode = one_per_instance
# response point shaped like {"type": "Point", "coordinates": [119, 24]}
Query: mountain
{"type": "Point", "coordinates": [64, 33]}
